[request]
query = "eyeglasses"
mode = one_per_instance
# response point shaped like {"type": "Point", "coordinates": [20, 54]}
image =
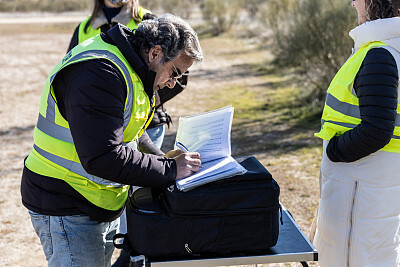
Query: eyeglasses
{"type": "Point", "coordinates": [175, 73]}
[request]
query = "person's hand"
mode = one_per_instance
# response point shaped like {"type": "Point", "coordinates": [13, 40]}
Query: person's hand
{"type": "Point", "coordinates": [186, 164]}
{"type": "Point", "coordinates": [173, 153]}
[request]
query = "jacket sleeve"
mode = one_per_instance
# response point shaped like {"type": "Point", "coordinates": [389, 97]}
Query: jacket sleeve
{"type": "Point", "coordinates": [92, 95]}
{"type": "Point", "coordinates": [74, 40]}
{"type": "Point", "coordinates": [376, 87]}
{"type": "Point", "coordinates": [147, 146]}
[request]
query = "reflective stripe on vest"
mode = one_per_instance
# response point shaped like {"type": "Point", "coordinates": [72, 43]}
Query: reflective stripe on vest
{"type": "Point", "coordinates": [54, 154]}
{"type": "Point", "coordinates": [50, 112]}
{"type": "Point", "coordinates": [74, 167]}
{"type": "Point", "coordinates": [341, 112]}
{"type": "Point", "coordinates": [48, 126]}
{"type": "Point", "coordinates": [350, 110]}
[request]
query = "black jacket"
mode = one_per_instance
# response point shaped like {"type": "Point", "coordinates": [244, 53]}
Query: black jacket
{"type": "Point", "coordinates": [376, 87]}
{"type": "Point", "coordinates": [160, 116]}
{"type": "Point", "coordinates": [90, 96]}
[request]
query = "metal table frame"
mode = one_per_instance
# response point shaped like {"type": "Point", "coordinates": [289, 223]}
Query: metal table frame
{"type": "Point", "coordinates": [292, 246]}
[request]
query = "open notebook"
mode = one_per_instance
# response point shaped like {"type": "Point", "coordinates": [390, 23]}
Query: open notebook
{"type": "Point", "coordinates": [210, 135]}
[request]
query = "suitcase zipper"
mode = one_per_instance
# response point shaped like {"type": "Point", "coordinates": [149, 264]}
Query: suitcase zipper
{"type": "Point", "coordinates": [223, 186]}
{"type": "Point", "coordinates": [207, 213]}
{"type": "Point", "coordinates": [188, 249]}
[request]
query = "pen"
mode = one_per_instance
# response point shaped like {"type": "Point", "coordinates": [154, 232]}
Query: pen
{"type": "Point", "coordinates": [182, 147]}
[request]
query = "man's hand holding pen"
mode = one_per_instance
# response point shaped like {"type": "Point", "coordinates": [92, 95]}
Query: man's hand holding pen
{"type": "Point", "coordinates": [187, 162]}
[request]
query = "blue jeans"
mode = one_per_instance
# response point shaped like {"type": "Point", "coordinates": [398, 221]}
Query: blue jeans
{"type": "Point", "coordinates": [156, 135]}
{"type": "Point", "coordinates": [75, 240]}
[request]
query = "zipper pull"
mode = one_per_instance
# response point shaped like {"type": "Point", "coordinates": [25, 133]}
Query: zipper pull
{"type": "Point", "coordinates": [171, 188]}
{"type": "Point", "coordinates": [188, 249]}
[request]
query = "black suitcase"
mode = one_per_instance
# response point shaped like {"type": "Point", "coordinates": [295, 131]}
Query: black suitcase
{"type": "Point", "coordinates": [234, 215]}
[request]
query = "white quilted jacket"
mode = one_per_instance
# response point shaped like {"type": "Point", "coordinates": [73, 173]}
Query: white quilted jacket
{"type": "Point", "coordinates": [359, 212]}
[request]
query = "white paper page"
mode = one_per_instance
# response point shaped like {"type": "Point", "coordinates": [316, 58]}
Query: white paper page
{"type": "Point", "coordinates": [207, 133]}
{"type": "Point", "coordinates": [209, 171]}
{"type": "Point", "coordinates": [222, 175]}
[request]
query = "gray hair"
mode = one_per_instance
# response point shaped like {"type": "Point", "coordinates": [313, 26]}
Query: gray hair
{"type": "Point", "coordinates": [173, 34]}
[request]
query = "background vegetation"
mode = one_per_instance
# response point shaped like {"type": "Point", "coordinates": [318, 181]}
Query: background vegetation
{"type": "Point", "coordinates": [307, 37]}
{"type": "Point", "coordinates": [271, 59]}
{"type": "Point", "coordinates": [44, 5]}
{"type": "Point", "coordinates": [310, 36]}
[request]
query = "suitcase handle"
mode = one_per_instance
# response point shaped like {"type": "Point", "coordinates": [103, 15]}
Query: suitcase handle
{"type": "Point", "coordinates": [118, 236]}
{"type": "Point", "coordinates": [125, 245]}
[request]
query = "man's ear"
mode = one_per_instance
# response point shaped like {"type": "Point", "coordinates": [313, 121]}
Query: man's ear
{"type": "Point", "coordinates": [155, 53]}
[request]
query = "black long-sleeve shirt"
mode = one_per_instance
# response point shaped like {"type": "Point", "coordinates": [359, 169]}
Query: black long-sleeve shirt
{"type": "Point", "coordinates": [91, 97]}
{"type": "Point", "coordinates": [376, 87]}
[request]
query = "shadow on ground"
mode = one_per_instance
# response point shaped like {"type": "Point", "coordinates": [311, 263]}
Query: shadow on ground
{"type": "Point", "coordinates": [17, 130]}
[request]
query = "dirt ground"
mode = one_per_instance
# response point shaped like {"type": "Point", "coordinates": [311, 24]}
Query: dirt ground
{"type": "Point", "coordinates": [27, 55]}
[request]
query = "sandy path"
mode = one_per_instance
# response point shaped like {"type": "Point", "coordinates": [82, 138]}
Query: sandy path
{"type": "Point", "coordinates": [32, 18]}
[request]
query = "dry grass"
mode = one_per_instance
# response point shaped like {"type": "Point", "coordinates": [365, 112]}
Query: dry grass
{"type": "Point", "coordinates": [227, 76]}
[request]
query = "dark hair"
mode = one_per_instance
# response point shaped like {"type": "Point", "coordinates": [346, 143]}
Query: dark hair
{"type": "Point", "coordinates": [380, 9]}
{"type": "Point", "coordinates": [173, 34]}
{"type": "Point", "coordinates": [133, 7]}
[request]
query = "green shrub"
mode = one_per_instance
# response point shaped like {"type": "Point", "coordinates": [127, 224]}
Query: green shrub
{"type": "Point", "coordinates": [182, 8]}
{"type": "Point", "coordinates": [63, 6]}
{"type": "Point", "coordinates": [44, 5]}
{"type": "Point", "coordinates": [311, 35]}
{"type": "Point", "coordinates": [220, 15]}
{"type": "Point", "coordinates": [152, 5]}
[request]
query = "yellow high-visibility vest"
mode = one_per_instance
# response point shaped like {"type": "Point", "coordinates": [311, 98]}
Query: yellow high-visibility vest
{"type": "Point", "coordinates": [54, 154]}
{"type": "Point", "coordinates": [90, 32]}
{"type": "Point", "coordinates": [341, 111]}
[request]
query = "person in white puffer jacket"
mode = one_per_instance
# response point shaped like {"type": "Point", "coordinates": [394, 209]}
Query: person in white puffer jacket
{"type": "Point", "coordinates": [358, 221]}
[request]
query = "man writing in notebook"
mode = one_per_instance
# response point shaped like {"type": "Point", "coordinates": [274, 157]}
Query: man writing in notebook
{"type": "Point", "coordinates": [95, 102]}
